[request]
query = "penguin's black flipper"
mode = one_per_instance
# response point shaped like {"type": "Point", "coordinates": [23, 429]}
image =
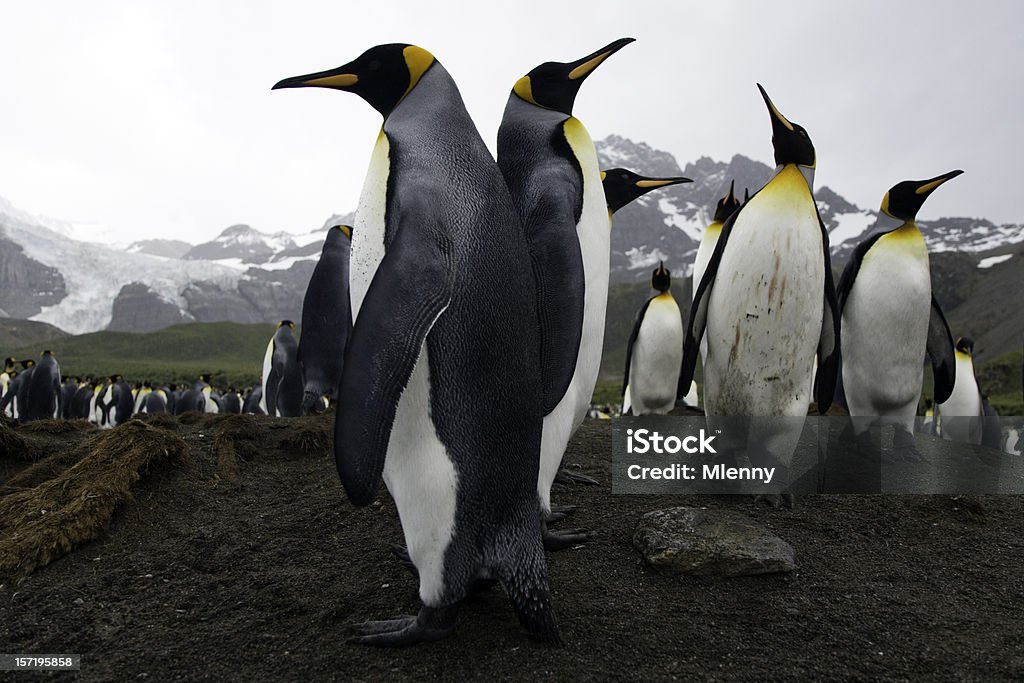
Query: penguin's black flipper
{"type": "Point", "coordinates": [558, 269]}
{"type": "Point", "coordinates": [941, 353]}
{"type": "Point", "coordinates": [410, 290]}
{"type": "Point", "coordinates": [828, 342]}
{"type": "Point", "coordinates": [632, 339]}
{"type": "Point", "coordinates": [273, 381]}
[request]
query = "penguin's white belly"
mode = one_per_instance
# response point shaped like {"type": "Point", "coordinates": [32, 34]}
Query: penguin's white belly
{"type": "Point", "coordinates": [703, 257]}
{"type": "Point", "coordinates": [422, 479]}
{"type": "Point", "coordinates": [594, 234]}
{"type": "Point", "coordinates": [885, 333]}
{"type": "Point", "coordinates": [765, 311]}
{"type": "Point", "coordinates": [657, 358]}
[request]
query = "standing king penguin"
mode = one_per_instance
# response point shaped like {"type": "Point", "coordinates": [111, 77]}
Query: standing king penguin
{"type": "Point", "coordinates": [654, 352]}
{"type": "Point", "coordinates": [890, 320]}
{"type": "Point", "coordinates": [767, 304]}
{"type": "Point", "coordinates": [326, 321]}
{"type": "Point", "coordinates": [963, 408]}
{"type": "Point", "coordinates": [550, 165]}
{"type": "Point", "coordinates": [282, 376]}
{"type": "Point", "coordinates": [620, 188]}
{"type": "Point", "coordinates": [43, 400]}
{"type": "Point", "coordinates": [439, 392]}
{"type": "Point", "coordinates": [727, 205]}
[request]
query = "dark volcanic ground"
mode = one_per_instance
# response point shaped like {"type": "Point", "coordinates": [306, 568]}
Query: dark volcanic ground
{"type": "Point", "coordinates": [254, 568]}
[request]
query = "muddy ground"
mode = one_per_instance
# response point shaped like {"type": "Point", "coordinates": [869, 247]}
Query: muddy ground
{"type": "Point", "coordinates": [245, 562]}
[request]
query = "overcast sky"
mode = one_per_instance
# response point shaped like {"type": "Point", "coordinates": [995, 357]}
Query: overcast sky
{"type": "Point", "coordinates": [156, 119]}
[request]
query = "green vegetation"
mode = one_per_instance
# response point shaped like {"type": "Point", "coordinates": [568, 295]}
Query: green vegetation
{"type": "Point", "coordinates": [19, 333]}
{"type": "Point", "coordinates": [233, 353]}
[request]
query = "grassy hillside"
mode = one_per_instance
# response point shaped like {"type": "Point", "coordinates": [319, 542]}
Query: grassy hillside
{"type": "Point", "coordinates": [21, 333]}
{"type": "Point", "coordinates": [233, 352]}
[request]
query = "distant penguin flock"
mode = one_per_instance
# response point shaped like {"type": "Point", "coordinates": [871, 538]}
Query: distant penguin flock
{"type": "Point", "coordinates": [456, 329]}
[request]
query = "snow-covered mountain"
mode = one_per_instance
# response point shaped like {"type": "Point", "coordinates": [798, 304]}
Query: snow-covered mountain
{"type": "Point", "coordinates": [245, 275]}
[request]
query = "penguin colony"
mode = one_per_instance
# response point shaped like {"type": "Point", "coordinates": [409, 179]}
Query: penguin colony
{"type": "Point", "coordinates": [456, 329]}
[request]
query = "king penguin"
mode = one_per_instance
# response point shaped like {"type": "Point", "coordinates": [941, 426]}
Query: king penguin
{"type": "Point", "coordinates": [439, 392]}
{"type": "Point", "coordinates": [654, 352]}
{"type": "Point", "coordinates": [282, 376]}
{"type": "Point", "coordinates": [726, 206]}
{"type": "Point", "coordinates": [963, 409]}
{"type": "Point", "coordinates": [550, 165]}
{"type": "Point", "coordinates": [767, 304]}
{"type": "Point", "coordinates": [326, 321]}
{"type": "Point", "coordinates": [43, 398]}
{"type": "Point", "coordinates": [890, 320]}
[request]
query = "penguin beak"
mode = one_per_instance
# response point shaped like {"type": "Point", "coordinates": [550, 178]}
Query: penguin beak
{"type": "Point", "coordinates": [341, 78]}
{"type": "Point", "coordinates": [926, 187]}
{"type": "Point", "coordinates": [779, 122]}
{"type": "Point", "coordinates": [648, 184]}
{"type": "Point", "coordinates": [583, 67]}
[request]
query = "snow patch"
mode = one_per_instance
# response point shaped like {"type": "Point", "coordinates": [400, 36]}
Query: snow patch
{"type": "Point", "coordinates": [675, 218]}
{"type": "Point", "coordinates": [993, 260]}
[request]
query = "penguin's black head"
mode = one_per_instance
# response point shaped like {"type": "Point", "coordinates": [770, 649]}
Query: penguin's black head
{"type": "Point", "coordinates": [286, 323]}
{"type": "Point", "coordinates": [662, 278]}
{"type": "Point", "coordinates": [553, 85]}
{"type": "Point", "coordinates": [622, 186]}
{"type": "Point", "coordinates": [904, 200]}
{"type": "Point", "coordinates": [791, 142]}
{"type": "Point", "coordinates": [382, 75]}
{"type": "Point", "coordinates": [345, 230]}
{"type": "Point", "coordinates": [9, 363]}
{"type": "Point", "coordinates": [26, 364]}
{"type": "Point", "coordinates": [965, 345]}
{"type": "Point", "coordinates": [727, 205]}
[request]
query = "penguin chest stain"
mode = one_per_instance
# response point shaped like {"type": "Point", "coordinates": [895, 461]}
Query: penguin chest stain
{"type": "Point", "coordinates": [367, 249]}
{"type": "Point", "coordinates": [765, 310]}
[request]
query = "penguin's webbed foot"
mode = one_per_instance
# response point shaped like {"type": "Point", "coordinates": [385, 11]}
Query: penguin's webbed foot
{"type": "Point", "coordinates": [429, 625]}
{"type": "Point", "coordinates": [904, 449]}
{"type": "Point", "coordinates": [558, 513]}
{"type": "Point", "coordinates": [776, 500]}
{"type": "Point", "coordinates": [560, 540]}
{"type": "Point", "coordinates": [567, 477]}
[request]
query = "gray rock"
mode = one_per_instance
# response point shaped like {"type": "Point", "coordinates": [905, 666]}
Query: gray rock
{"type": "Point", "coordinates": [26, 285]}
{"type": "Point", "coordinates": [687, 540]}
{"type": "Point", "coordinates": [139, 309]}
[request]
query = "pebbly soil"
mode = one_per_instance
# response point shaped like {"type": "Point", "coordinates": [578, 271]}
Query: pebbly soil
{"type": "Point", "coordinates": [251, 565]}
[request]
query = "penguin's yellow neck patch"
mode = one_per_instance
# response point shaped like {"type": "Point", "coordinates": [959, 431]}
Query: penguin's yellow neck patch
{"type": "Point", "coordinates": [524, 89]}
{"type": "Point", "coordinates": [665, 297]}
{"type": "Point", "coordinates": [788, 180]}
{"type": "Point", "coordinates": [418, 61]}
{"type": "Point", "coordinates": [713, 230]}
{"type": "Point", "coordinates": [906, 238]}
